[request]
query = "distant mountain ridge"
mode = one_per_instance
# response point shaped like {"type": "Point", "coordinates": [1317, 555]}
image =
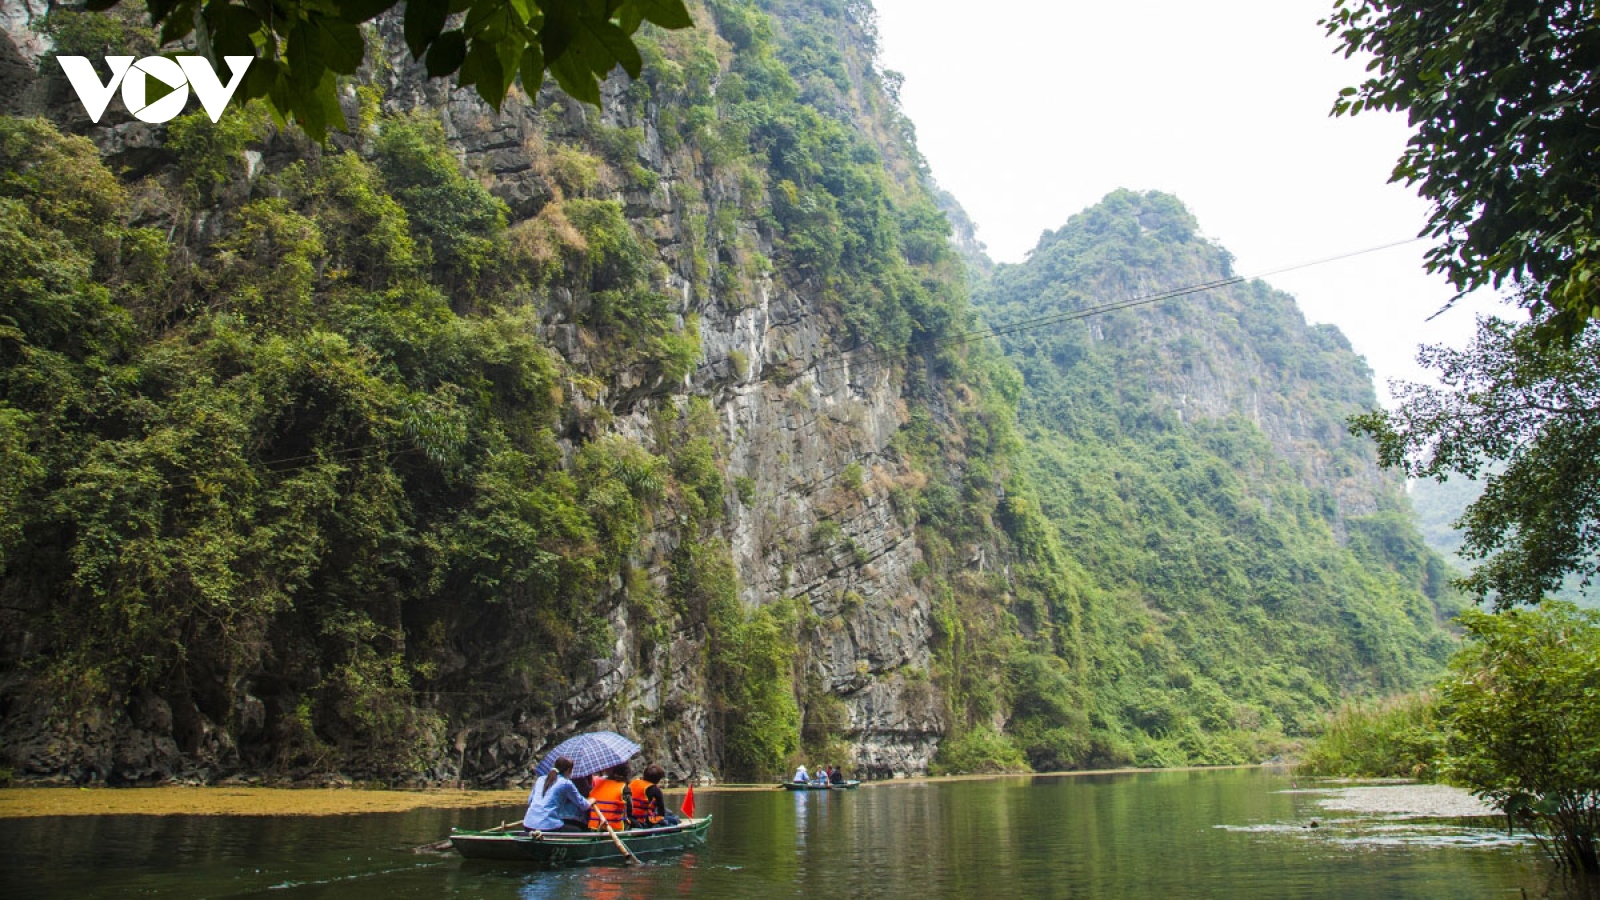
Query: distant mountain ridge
{"type": "Point", "coordinates": [1241, 557]}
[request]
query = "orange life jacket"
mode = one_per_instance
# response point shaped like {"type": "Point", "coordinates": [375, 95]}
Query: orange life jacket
{"type": "Point", "coordinates": [605, 799]}
{"type": "Point", "coordinates": [642, 810]}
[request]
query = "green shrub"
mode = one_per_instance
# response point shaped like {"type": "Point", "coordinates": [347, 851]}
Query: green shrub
{"type": "Point", "coordinates": [1398, 736]}
{"type": "Point", "coordinates": [1523, 701]}
{"type": "Point", "coordinates": [450, 211]}
{"type": "Point", "coordinates": [981, 750]}
{"type": "Point", "coordinates": [211, 154]}
{"type": "Point", "coordinates": [120, 31]}
{"type": "Point", "coordinates": [745, 487]}
{"type": "Point", "coordinates": [825, 534]}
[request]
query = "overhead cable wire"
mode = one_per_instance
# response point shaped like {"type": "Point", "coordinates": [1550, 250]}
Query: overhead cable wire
{"type": "Point", "coordinates": [877, 357]}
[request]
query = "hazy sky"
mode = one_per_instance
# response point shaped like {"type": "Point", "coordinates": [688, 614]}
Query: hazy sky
{"type": "Point", "coordinates": [1030, 110]}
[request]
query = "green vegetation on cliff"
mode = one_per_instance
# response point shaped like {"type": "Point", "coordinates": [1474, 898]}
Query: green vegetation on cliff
{"type": "Point", "coordinates": [1211, 558]}
{"type": "Point", "coordinates": [395, 456]}
{"type": "Point", "coordinates": [298, 478]}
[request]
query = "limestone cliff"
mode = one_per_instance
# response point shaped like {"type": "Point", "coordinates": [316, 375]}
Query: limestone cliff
{"type": "Point", "coordinates": [797, 397]}
{"type": "Point", "coordinates": [407, 456]}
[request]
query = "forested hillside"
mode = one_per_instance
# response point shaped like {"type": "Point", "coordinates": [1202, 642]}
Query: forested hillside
{"type": "Point", "coordinates": [1236, 560]}
{"type": "Point", "coordinates": [405, 456]}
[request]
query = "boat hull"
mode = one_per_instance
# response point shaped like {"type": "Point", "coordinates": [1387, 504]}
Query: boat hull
{"type": "Point", "coordinates": [568, 848]}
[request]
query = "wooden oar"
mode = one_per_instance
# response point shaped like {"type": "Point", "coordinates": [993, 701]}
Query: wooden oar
{"type": "Point", "coordinates": [440, 846]}
{"type": "Point", "coordinates": [618, 841]}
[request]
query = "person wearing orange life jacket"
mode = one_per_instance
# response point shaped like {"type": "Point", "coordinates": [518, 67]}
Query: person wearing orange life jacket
{"type": "Point", "coordinates": [647, 806]}
{"type": "Point", "coordinates": [606, 799]}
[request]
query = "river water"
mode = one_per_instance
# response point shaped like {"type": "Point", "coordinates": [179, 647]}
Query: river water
{"type": "Point", "coordinates": [1235, 833]}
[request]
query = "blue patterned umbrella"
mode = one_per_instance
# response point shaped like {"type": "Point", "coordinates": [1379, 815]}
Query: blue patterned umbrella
{"type": "Point", "coordinates": [593, 752]}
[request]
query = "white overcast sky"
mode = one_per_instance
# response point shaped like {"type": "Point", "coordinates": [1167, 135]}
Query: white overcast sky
{"type": "Point", "coordinates": [1028, 111]}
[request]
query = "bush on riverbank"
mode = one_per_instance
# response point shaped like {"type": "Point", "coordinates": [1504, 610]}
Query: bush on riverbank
{"type": "Point", "coordinates": [1524, 701]}
{"type": "Point", "coordinates": [1396, 736]}
{"type": "Point", "coordinates": [980, 751]}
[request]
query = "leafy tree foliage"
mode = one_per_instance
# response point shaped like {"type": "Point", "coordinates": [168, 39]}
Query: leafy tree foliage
{"type": "Point", "coordinates": [1502, 96]}
{"type": "Point", "coordinates": [1523, 702]}
{"type": "Point", "coordinates": [300, 47]}
{"type": "Point", "coordinates": [1524, 416]}
{"type": "Point", "coordinates": [307, 482]}
{"type": "Point", "coordinates": [312, 476]}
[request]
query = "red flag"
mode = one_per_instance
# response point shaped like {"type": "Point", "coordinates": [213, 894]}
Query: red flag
{"type": "Point", "coordinates": [688, 804]}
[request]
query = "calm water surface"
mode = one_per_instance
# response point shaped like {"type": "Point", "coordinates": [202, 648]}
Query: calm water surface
{"type": "Point", "coordinates": [1231, 833]}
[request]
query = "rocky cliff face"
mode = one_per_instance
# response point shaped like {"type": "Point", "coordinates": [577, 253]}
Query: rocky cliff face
{"type": "Point", "coordinates": [680, 435]}
{"type": "Point", "coordinates": [793, 412]}
{"type": "Point", "coordinates": [1236, 350]}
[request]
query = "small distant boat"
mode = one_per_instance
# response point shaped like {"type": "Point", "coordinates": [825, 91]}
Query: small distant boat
{"type": "Point", "coordinates": [819, 786]}
{"type": "Point", "coordinates": [568, 847]}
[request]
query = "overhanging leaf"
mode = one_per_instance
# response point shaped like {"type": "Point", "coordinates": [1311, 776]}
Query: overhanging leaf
{"type": "Point", "coordinates": [576, 79]}
{"type": "Point", "coordinates": [304, 54]}
{"type": "Point", "coordinates": [424, 20]}
{"type": "Point", "coordinates": [669, 14]}
{"type": "Point", "coordinates": [232, 29]}
{"type": "Point", "coordinates": [485, 69]}
{"type": "Point", "coordinates": [342, 44]}
{"type": "Point", "coordinates": [447, 53]}
{"type": "Point", "coordinates": [616, 46]}
{"type": "Point", "coordinates": [532, 70]}
{"type": "Point", "coordinates": [557, 33]}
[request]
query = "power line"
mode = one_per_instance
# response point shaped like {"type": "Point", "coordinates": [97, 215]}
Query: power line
{"type": "Point", "coordinates": [882, 357]}
{"type": "Point", "coordinates": [878, 357]}
{"type": "Point", "coordinates": [875, 358]}
{"type": "Point", "coordinates": [339, 456]}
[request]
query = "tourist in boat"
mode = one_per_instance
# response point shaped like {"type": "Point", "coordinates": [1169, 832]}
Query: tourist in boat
{"type": "Point", "coordinates": [820, 776]}
{"type": "Point", "coordinates": [605, 799]}
{"type": "Point", "coordinates": [800, 775]}
{"type": "Point", "coordinates": [554, 804]}
{"type": "Point", "coordinates": [647, 806]}
{"type": "Point", "coordinates": [835, 776]}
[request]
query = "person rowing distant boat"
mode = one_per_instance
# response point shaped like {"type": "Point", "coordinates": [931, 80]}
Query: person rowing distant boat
{"type": "Point", "coordinates": [800, 775]}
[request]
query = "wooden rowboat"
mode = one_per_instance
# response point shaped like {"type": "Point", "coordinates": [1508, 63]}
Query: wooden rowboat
{"type": "Point", "coordinates": [819, 786]}
{"type": "Point", "coordinates": [568, 847]}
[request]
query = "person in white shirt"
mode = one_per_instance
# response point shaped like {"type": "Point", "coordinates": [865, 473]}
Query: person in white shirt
{"type": "Point", "coordinates": [554, 804]}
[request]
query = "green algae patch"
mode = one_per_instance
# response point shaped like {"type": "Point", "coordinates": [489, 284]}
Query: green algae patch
{"type": "Point", "coordinates": [238, 801]}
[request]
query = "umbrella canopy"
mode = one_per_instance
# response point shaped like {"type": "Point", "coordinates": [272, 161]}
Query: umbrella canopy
{"type": "Point", "coordinates": [593, 752]}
